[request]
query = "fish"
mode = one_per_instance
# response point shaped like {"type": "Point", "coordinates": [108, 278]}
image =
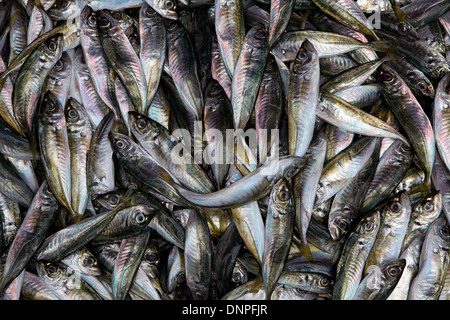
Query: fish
{"type": "Point", "coordinates": [410, 114]}
{"type": "Point", "coordinates": [381, 280]}
{"type": "Point", "coordinates": [54, 148]}
{"type": "Point", "coordinates": [279, 229]}
{"type": "Point", "coordinates": [388, 243]}
{"type": "Point", "coordinates": [351, 264]}
{"type": "Point", "coordinates": [123, 59]}
{"type": "Point", "coordinates": [224, 150]}
{"type": "Point", "coordinates": [198, 256]}
{"type": "Point", "coordinates": [303, 98]}
{"type": "Point", "coordinates": [31, 80]}
{"type": "Point", "coordinates": [436, 240]}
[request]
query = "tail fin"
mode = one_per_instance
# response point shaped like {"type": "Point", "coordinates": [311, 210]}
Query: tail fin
{"type": "Point", "coordinates": [389, 46]}
{"type": "Point", "coordinates": [305, 250]}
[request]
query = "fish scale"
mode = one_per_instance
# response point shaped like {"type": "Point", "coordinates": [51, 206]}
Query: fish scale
{"type": "Point", "coordinates": [97, 187]}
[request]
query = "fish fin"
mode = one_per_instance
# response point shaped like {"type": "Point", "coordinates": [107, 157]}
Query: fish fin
{"type": "Point", "coordinates": [305, 250]}
{"type": "Point", "coordinates": [400, 14]}
{"type": "Point", "coordinates": [2, 81]}
{"type": "Point", "coordinates": [383, 45]}
{"type": "Point", "coordinates": [34, 149]}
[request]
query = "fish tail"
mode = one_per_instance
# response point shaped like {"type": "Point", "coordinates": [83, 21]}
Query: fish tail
{"type": "Point", "coordinates": [305, 250]}
{"type": "Point", "coordinates": [384, 45]}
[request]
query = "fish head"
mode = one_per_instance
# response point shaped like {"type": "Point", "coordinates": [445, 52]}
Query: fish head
{"type": "Point", "coordinates": [151, 259]}
{"type": "Point", "coordinates": [50, 272]}
{"type": "Point", "coordinates": [429, 208]}
{"type": "Point", "coordinates": [63, 9]}
{"type": "Point", "coordinates": [75, 112]}
{"type": "Point", "coordinates": [389, 79]}
{"type": "Point", "coordinates": [281, 197]}
{"type": "Point", "coordinates": [88, 19]}
{"type": "Point", "coordinates": [168, 9]}
{"type": "Point", "coordinates": [122, 145]}
{"type": "Point", "coordinates": [392, 270]}
{"type": "Point", "coordinates": [147, 12]}
{"type": "Point", "coordinates": [141, 215]}
{"type": "Point", "coordinates": [51, 110]}
{"type": "Point", "coordinates": [369, 225]}
{"type": "Point", "coordinates": [306, 58]}
{"type": "Point", "coordinates": [440, 233]}
{"type": "Point", "coordinates": [340, 223]}
{"type": "Point", "coordinates": [258, 36]}
{"type": "Point", "coordinates": [108, 200]}
{"type": "Point", "coordinates": [287, 167]}
{"type": "Point", "coordinates": [425, 88]}
{"type": "Point", "coordinates": [63, 65]}
{"type": "Point", "coordinates": [106, 24]}
{"type": "Point", "coordinates": [88, 263]}
{"type": "Point", "coordinates": [144, 127]}
{"type": "Point", "coordinates": [124, 20]}
{"type": "Point", "coordinates": [53, 47]}
{"type": "Point", "coordinates": [214, 94]}
{"type": "Point", "coordinates": [439, 66]}
{"type": "Point", "coordinates": [397, 209]}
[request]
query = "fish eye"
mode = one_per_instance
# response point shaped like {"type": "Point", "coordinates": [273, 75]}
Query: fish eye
{"type": "Point", "coordinates": [72, 114]}
{"type": "Point", "coordinates": [49, 105]}
{"type": "Point", "coordinates": [387, 77]}
{"type": "Point", "coordinates": [393, 271]}
{"type": "Point", "coordinates": [395, 207]}
{"type": "Point", "coordinates": [52, 270]}
{"type": "Point", "coordinates": [404, 27]}
{"type": "Point", "coordinates": [428, 206]}
{"type": "Point", "coordinates": [445, 232]}
{"type": "Point", "coordinates": [299, 290]}
{"type": "Point", "coordinates": [47, 190]}
{"type": "Point", "coordinates": [422, 86]}
{"type": "Point", "coordinates": [302, 55]}
{"type": "Point", "coordinates": [151, 257]}
{"type": "Point", "coordinates": [181, 278]}
{"type": "Point", "coordinates": [104, 22]}
{"type": "Point", "coordinates": [59, 64]}
{"type": "Point", "coordinates": [117, 15]}
{"type": "Point", "coordinates": [113, 199]}
{"type": "Point", "coordinates": [92, 20]}
{"type": "Point", "coordinates": [260, 34]}
{"type": "Point", "coordinates": [52, 45]}
{"type": "Point", "coordinates": [324, 282]}
{"type": "Point", "coordinates": [119, 143]}
{"type": "Point", "coordinates": [169, 5]}
{"type": "Point", "coordinates": [133, 40]}
{"type": "Point", "coordinates": [215, 90]}
{"type": "Point", "coordinates": [89, 261]}
{"type": "Point", "coordinates": [171, 25]}
{"type": "Point", "coordinates": [141, 124]}
{"type": "Point", "coordinates": [140, 217]}
{"type": "Point", "coordinates": [291, 173]}
{"type": "Point", "coordinates": [269, 66]}
{"type": "Point", "coordinates": [343, 224]}
{"type": "Point", "coordinates": [199, 295]}
{"type": "Point", "coordinates": [150, 11]}
{"type": "Point", "coordinates": [442, 72]}
{"type": "Point", "coordinates": [369, 226]}
{"type": "Point", "coordinates": [283, 196]}
{"type": "Point", "coordinates": [236, 278]}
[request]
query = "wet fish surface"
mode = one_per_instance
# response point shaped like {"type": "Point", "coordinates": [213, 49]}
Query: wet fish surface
{"type": "Point", "coordinates": [224, 150]}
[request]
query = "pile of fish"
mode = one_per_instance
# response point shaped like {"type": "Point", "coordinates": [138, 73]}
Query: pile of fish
{"type": "Point", "coordinates": [225, 149]}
